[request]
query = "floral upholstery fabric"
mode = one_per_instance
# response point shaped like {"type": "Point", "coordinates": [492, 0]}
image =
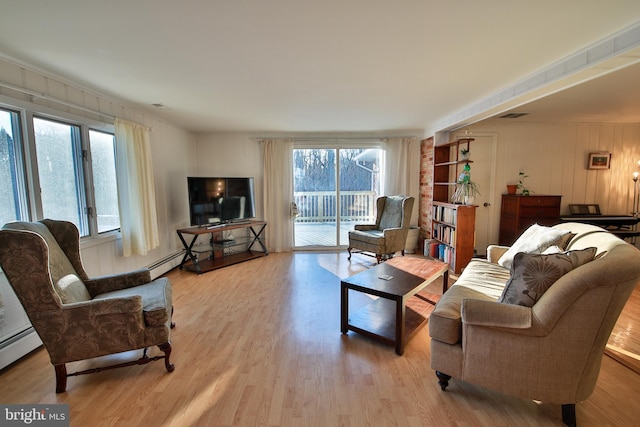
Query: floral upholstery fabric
{"type": "Point", "coordinates": [33, 257]}
{"type": "Point", "coordinates": [155, 297]}
{"type": "Point", "coordinates": [66, 282]}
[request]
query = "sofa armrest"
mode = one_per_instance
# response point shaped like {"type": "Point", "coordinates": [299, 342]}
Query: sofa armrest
{"type": "Point", "coordinates": [494, 252]}
{"type": "Point", "coordinates": [92, 328]}
{"type": "Point", "coordinates": [365, 227]}
{"type": "Point", "coordinates": [511, 318]}
{"type": "Point", "coordinates": [106, 306]}
{"type": "Point", "coordinates": [116, 282]}
{"type": "Point", "coordinates": [495, 314]}
{"type": "Point", "coordinates": [393, 231]}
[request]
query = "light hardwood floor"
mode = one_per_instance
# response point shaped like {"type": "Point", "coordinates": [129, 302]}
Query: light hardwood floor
{"type": "Point", "coordinates": [259, 343]}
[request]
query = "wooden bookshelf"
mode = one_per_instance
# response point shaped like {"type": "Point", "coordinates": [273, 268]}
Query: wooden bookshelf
{"type": "Point", "coordinates": [453, 227]}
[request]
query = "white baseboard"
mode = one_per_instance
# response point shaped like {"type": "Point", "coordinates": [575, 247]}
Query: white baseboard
{"type": "Point", "coordinates": [19, 348]}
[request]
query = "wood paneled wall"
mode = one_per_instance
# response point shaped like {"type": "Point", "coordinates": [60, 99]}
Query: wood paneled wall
{"type": "Point", "coordinates": [555, 157]}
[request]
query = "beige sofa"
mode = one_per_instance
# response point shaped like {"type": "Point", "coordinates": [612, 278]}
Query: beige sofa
{"type": "Point", "coordinates": [550, 351]}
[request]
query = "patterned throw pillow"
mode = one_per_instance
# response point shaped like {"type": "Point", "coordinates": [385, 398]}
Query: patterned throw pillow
{"type": "Point", "coordinates": [533, 274]}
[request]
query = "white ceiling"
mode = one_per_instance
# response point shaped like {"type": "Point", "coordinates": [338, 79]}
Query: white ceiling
{"type": "Point", "coordinates": [314, 66]}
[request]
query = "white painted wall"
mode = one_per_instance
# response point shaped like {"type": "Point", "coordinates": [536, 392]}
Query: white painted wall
{"type": "Point", "coordinates": [236, 155]}
{"type": "Point", "coordinates": [555, 155]}
{"type": "Point", "coordinates": [174, 158]}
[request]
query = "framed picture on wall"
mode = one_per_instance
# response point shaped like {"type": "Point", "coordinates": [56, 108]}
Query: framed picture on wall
{"type": "Point", "coordinates": [599, 160]}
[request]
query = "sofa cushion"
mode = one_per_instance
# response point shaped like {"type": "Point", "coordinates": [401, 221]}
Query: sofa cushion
{"type": "Point", "coordinates": [479, 280]}
{"type": "Point", "coordinates": [372, 236]}
{"type": "Point", "coordinates": [533, 240]}
{"type": "Point", "coordinates": [533, 274]}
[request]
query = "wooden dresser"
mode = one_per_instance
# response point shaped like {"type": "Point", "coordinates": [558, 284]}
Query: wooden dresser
{"type": "Point", "coordinates": [519, 212]}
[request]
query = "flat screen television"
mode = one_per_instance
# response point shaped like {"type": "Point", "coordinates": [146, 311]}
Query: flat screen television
{"type": "Point", "coordinates": [217, 200]}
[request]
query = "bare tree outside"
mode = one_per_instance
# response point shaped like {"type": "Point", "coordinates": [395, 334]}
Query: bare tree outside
{"type": "Point", "coordinates": [327, 211]}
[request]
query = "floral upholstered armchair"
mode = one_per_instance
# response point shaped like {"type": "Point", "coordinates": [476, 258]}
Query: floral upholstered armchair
{"type": "Point", "coordinates": [78, 317]}
{"type": "Point", "coordinates": [389, 233]}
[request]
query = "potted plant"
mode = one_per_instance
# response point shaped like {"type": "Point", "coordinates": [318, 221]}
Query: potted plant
{"type": "Point", "coordinates": [521, 187]}
{"type": "Point", "coordinates": [465, 190]}
{"type": "Point", "coordinates": [464, 154]}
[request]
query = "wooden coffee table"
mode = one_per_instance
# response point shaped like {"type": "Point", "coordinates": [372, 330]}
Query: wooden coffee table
{"type": "Point", "coordinates": [387, 318]}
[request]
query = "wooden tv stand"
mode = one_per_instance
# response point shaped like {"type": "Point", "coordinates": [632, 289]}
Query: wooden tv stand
{"type": "Point", "coordinates": [216, 253]}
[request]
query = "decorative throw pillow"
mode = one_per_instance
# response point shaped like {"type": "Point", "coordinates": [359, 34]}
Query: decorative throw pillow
{"type": "Point", "coordinates": [533, 274]}
{"type": "Point", "coordinates": [534, 240]}
{"type": "Point", "coordinates": [70, 289]}
{"type": "Point", "coordinates": [564, 240]}
{"type": "Point", "coordinates": [582, 256]}
{"type": "Point", "coordinates": [555, 249]}
{"type": "Point", "coordinates": [577, 257]}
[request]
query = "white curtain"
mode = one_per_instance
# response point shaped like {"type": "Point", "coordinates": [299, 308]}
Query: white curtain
{"type": "Point", "coordinates": [402, 170]}
{"type": "Point", "coordinates": [136, 191]}
{"type": "Point", "coordinates": [278, 193]}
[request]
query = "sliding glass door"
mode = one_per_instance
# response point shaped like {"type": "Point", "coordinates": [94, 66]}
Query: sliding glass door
{"type": "Point", "coordinates": [334, 188]}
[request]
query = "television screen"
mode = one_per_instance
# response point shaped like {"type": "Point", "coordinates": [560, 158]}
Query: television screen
{"type": "Point", "coordinates": [220, 200]}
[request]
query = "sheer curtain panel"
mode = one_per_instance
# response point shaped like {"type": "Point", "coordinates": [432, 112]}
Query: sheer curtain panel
{"type": "Point", "coordinates": [278, 193]}
{"type": "Point", "coordinates": [136, 191]}
{"type": "Point", "coordinates": [402, 169]}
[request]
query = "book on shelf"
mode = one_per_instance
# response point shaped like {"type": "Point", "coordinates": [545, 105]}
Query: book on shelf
{"type": "Point", "coordinates": [445, 253]}
{"type": "Point", "coordinates": [444, 214]}
{"type": "Point", "coordinates": [445, 234]}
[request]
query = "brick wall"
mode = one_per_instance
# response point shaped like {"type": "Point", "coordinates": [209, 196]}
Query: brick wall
{"type": "Point", "coordinates": [426, 189]}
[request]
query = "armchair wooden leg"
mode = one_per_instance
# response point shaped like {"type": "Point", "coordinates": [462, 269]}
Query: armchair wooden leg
{"type": "Point", "coordinates": [569, 414]}
{"type": "Point", "coordinates": [443, 380]}
{"type": "Point", "coordinates": [173, 324]}
{"type": "Point", "coordinates": [61, 378]}
{"type": "Point", "coordinates": [349, 257]}
{"type": "Point", "coordinates": [166, 349]}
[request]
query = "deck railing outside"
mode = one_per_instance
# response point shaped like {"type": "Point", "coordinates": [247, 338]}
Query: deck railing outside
{"type": "Point", "coordinates": [321, 206]}
{"type": "Point", "coordinates": [316, 221]}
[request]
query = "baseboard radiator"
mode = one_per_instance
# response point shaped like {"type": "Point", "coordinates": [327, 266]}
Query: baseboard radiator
{"type": "Point", "coordinates": [160, 267]}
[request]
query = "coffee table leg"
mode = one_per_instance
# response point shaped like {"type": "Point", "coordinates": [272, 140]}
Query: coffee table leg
{"type": "Point", "coordinates": [344, 307]}
{"type": "Point", "coordinates": [445, 281]}
{"type": "Point", "coordinates": [400, 311]}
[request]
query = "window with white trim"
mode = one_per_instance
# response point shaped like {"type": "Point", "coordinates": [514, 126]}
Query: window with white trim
{"type": "Point", "coordinates": [13, 195]}
{"type": "Point", "coordinates": [73, 164]}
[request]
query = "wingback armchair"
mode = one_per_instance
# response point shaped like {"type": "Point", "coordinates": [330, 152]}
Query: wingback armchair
{"type": "Point", "coordinates": [78, 317]}
{"type": "Point", "coordinates": [389, 233]}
